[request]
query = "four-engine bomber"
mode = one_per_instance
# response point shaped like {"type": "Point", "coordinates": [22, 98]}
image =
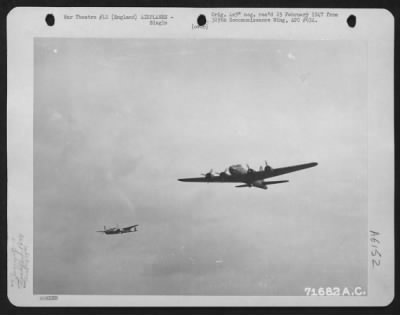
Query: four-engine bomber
{"type": "Point", "coordinates": [249, 177]}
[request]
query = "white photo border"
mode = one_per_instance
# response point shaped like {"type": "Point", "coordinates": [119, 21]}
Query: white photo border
{"type": "Point", "coordinates": [376, 26]}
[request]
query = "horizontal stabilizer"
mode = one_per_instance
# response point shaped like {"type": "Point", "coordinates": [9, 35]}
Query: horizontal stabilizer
{"type": "Point", "coordinates": [245, 185]}
{"type": "Point", "coordinates": [275, 182]}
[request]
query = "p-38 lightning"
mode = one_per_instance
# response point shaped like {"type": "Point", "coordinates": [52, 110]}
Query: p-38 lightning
{"type": "Point", "coordinates": [249, 177]}
{"type": "Point", "coordinates": [117, 230]}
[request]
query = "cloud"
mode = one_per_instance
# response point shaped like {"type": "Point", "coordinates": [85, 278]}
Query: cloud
{"type": "Point", "coordinates": [124, 137]}
{"type": "Point", "coordinates": [291, 56]}
{"type": "Point", "coordinates": [55, 116]}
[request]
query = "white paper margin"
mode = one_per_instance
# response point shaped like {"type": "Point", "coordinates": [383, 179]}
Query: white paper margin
{"type": "Point", "coordinates": [373, 25]}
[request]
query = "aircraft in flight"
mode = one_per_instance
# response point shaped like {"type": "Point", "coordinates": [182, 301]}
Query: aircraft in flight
{"type": "Point", "coordinates": [249, 177]}
{"type": "Point", "coordinates": [117, 230]}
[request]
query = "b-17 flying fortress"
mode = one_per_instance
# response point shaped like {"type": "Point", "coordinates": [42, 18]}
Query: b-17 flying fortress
{"type": "Point", "coordinates": [248, 177]}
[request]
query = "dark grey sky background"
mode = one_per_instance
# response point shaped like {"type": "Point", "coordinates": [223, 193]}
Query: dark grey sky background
{"type": "Point", "coordinates": [117, 121]}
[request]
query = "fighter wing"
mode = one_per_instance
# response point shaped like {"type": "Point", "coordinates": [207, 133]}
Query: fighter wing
{"type": "Point", "coordinates": [290, 169]}
{"type": "Point", "coordinates": [128, 228]}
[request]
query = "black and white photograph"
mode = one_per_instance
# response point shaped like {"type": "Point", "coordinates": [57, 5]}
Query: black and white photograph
{"type": "Point", "coordinates": [200, 166]}
{"type": "Point", "coordinates": [118, 122]}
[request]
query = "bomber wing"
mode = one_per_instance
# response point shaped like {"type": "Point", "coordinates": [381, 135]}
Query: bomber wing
{"type": "Point", "coordinates": [214, 179]}
{"type": "Point", "coordinates": [290, 169]}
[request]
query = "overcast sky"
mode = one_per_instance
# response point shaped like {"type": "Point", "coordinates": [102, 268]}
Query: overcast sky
{"type": "Point", "coordinates": [116, 122]}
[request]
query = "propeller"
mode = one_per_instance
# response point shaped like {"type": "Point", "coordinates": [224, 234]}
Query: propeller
{"type": "Point", "coordinates": [267, 167]}
{"type": "Point", "coordinates": [224, 173]}
{"type": "Point", "coordinates": [209, 174]}
{"type": "Point", "coordinates": [104, 231]}
{"type": "Point", "coordinates": [249, 169]}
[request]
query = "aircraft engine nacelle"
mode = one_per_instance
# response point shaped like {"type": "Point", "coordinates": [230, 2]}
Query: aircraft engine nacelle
{"type": "Point", "coordinates": [237, 170]}
{"type": "Point", "coordinates": [208, 175]}
{"type": "Point", "coordinates": [267, 168]}
{"type": "Point", "coordinates": [259, 184]}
